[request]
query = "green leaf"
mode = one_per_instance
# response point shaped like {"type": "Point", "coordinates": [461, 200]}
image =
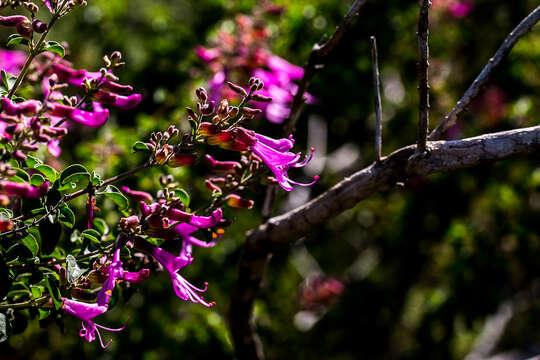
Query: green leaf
{"type": "Point", "coordinates": [115, 195]}
{"type": "Point", "coordinates": [31, 243]}
{"type": "Point", "coordinates": [50, 232]}
{"type": "Point", "coordinates": [73, 270]}
{"type": "Point", "coordinates": [22, 174]}
{"type": "Point", "coordinates": [32, 161]}
{"type": "Point", "coordinates": [54, 291]}
{"type": "Point", "coordinates": [14, 40]}
{"type": "Point", "coordinates": [140, 146]}
{"type": "Point", "coordinates": [101, 226]}
{"type": "Point", "coordinates": [93, 235]}
{"type": "Point", "coordinates": [5, 328]}
{"type": "Point", "coordinates": [66, 216]}
{"type": "Point", "coordinates": [96, 179]}
{"type": "Point", "coordinates": [37, 180]}
{"type": "Point", "coordinates": [183, 195]}
{"type": "Point", "coordinates": [55, 47]}
{"type": "Point", "coordinates": [5, 83]}
{"type": "Point", "coordinates": [37, 291]}
{"type": "Point", "coordinates": [73, 173]}
{"type": "Point", "coordinates": [48, 171]}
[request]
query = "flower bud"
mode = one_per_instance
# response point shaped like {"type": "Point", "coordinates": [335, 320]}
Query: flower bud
{"type": "Point", "coordinates": [201, 94]}
{"type": "Point", "coordinates": [250, 112]}
{"type": "Point", "coordinates": [182, 160]}
{"type": "Point", "coordinates": [237, 89]}
{"type": "Point", "coordinates": [260, 98]}
{"type": "Point", "coordinates": [237, 201]}
{"type": "Point", "coordinates": [39, 26]}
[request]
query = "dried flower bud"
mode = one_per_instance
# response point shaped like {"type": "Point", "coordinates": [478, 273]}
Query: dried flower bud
{"type": "Point", "coordinates": [208, 108]}
{"type": "Point", "coordinates": [223, 108]}
{"type": "Point", "coordinates": [237, 201]}
{"type": "Point", "coordinates": [39, 26]}
{"type": "Point", "coordinates": [247, 111]}
{"type": "Point", "coordinates": [116, 56]}
{"type": "Point", "coordinates": [30, 6]}
{"type": "Point", "coordinates": [201, 94]}
{"type": "Point", "coordinates": [237, 89]}
{"type": "Point", "coordinates": [261, 98]}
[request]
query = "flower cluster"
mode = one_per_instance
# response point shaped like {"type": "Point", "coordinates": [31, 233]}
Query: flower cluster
{"type": "Point", "coordinates": [242, 53]}
{"type": "Point", "coordinates": [25, 124]}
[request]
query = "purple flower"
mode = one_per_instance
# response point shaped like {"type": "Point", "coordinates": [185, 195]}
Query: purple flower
{"type": "Point", "coordinates": [11, 188]}
{"type": "Point", "coordinates": [86, 312]}
{"type": "Point", "coordinates": [183, 289]}
{"type": "Point", "coordinates": [137, 195]}
{"type": "Point", "coordinates": [48, 5]}
{"type": "Point", "coordinates": [11, 61]}
{"type": "Point", "coordinates": [185, 231]}
{"type": "Point", "coordinates": [119, 101]}
{"type": "Point", "coordinates": [276, 155]}
{"type": "Point", "coordinates": [116, 273]}
{"type": "Point", "coordinates": [96, 118]}
{"type": "Point", "coordinates": [29, 107]}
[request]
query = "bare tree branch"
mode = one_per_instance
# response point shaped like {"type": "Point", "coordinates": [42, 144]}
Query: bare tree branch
{"type": "Point", "coordinates": [443, 156]}
{"type": "Point", "coordinates": [316, 60]}
{"type": "Point", "coordinates": [377, 91]}
{"type": "Point", "coordinates": [524, 26]}
{"type": "Point", "coordinates": [405, 162]}
{"type": "Point", "coordinates": [423, 76]}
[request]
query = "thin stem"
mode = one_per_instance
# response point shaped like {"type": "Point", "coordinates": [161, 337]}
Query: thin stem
{"type": "Point", "coordinates": [316, 61]}
{"type": "Point", "coordinates": [25, 304]}
{"type": "Point", "coordinates": [61, 261]}
{"type": "Point", "coordinates": [377, 91]}
{"type": "Point", "coordinates": [423, 64]}
{"type": "Point", "coordinates": [494, 62]}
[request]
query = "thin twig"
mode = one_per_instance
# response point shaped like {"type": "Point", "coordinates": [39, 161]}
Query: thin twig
{"type": "Point", "coordinates": [25, 304]}
{"type": "Point", "coordinates": [524, 26]}
{"type": "Point", "coordinates": [61, 261]}
{"type": "Point", "coordinates": [377, 91]}
{"type": "Point", "coordinates": [423, 77]}
{"type": "Point", "coordinates": [316, 61]}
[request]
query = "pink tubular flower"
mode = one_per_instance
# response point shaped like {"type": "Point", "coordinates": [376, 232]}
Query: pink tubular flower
{"type": "Point", "coordinates": [183, 289]}
{"type": "Point", "coordinates": [115, 273]}
{"type": "Point", "coordinates": [137, 195]}
{"type": "Point", "coordinates": [85, 312]}
{"type": "Point", "coordinates": [14, 20]}
{"type": "Point", "coordinates": [119, 101]}
{"type": "Point", "coordinates": [11, 61]}
{"type": "Point", "coordinates": [276, 155]}
{"type": "Point", "coordinates": [92, 119]}
{"type": "Point", "coordinates": [185, 231]}
{"type": "Point", "coordinates": [29, 107]}
{"type": "Point", "coordinates": [11, 188]}
{"type": "Point", "coordinates": [159, 219]}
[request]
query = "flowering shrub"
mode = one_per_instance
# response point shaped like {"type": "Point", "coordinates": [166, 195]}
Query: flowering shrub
{"type": "Point", "coordinates": [44, 97]}
{"type": "Point", "coordinates": [242, 52]}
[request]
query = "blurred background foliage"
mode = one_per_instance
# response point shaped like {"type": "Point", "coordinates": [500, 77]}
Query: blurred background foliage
{"type": "Point", "coordinates": [423, 264]}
